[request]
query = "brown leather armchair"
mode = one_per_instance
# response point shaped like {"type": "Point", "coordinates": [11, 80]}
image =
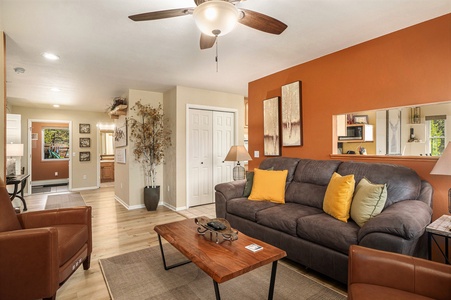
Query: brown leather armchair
{"type": "Point", "coordinates": [40, 250]}
{"type": "Point", "coordinates": [375, 274]}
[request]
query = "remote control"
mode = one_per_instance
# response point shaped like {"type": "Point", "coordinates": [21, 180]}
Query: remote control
{"type": "Point", "coordinates": [216, 225]}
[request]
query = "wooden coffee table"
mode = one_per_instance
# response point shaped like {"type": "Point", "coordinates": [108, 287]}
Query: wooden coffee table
{"type": "Point", "coordinates": [223, 261]}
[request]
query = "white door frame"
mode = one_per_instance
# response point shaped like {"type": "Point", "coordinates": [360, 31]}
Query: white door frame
{"type": "Point", "coordinates": [30, 122]}
{"type": "Point", "coordinates": [202, 107]}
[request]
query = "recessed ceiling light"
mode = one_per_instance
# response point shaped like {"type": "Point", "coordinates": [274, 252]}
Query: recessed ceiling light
{"type": "Point", "coordinates": [50, 56]}
{"type": "Point", "coordinates": [55, 89]}
{"type": "Point", "coordinates": [56, 105]}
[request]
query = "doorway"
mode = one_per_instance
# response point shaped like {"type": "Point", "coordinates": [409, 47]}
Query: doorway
{"type": "Point", "coordinates": [49, 148]}
{"type": "Point", "coordinates": [210, 134]}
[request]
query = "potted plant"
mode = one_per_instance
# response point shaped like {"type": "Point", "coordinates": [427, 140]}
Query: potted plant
{"type": "Point", "coordinates": [150, 138]}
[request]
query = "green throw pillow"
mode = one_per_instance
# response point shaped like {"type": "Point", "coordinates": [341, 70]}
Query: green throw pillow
{"type": "Point", "coordinates": [369, 200]}
{"type": "Point", "coordinates": [250, 182]}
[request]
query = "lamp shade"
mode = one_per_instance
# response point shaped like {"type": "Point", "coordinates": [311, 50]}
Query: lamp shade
{"type": "Point", "coordinates": [443, 165]}
{"type": "Point", "coordinates": [237, 153]}
{"type": "Point", "coordinates": [216, 17]}
{"type": "Point", "coordinates": [14, 149]}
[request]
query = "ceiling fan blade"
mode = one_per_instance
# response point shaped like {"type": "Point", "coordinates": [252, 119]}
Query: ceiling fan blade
{"type": "Point", "coordinates": [206, 41]}
{"type": "Point", "coordinates": [163, 14]}
{"type": "Point", "coordinates": [262, 22]}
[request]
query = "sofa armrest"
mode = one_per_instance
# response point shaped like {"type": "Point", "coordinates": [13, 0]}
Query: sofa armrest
{"type": "Point", "coordinates": [29, 254]}
{"type": "Point", "coordinates": [407, 219]}
{"type": "Point", "coordinates": [399, 272]}
{"type": "Point", "coordinates": [231, 190]}
{"type": "Point", "coordinates": [227, 191]}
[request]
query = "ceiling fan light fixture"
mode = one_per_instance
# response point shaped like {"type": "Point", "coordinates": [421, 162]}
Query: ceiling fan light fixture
{"type": "Point", "coordinates": [216, 17]}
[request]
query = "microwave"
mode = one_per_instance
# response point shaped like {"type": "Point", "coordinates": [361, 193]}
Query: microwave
{"type": "Point", "coordinates": [352, 133]}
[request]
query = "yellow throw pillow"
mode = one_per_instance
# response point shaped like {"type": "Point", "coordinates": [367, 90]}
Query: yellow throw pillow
{"type": "Point", "coordinates": [269, 185]}
{"type": "Point", "coordinates": [368, 201]}
{"type": "Point", "coordinates": [338, 197]}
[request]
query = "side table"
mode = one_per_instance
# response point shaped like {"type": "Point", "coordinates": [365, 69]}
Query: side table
{"type": "Point", "coordinates": [440, 227]}
{"type": "Point", "coordinates": [19, 182]}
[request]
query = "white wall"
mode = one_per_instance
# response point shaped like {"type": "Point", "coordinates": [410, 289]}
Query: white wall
{"type": "Point", "coordinates": [183, 97]}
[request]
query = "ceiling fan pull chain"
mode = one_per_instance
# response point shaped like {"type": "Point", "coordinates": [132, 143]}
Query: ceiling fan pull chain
{"type": "Point", "coordinates": [216, 59]}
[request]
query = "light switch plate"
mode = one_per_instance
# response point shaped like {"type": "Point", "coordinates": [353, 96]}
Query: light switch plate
{"type": "Point", "coordinates": [256, 154]}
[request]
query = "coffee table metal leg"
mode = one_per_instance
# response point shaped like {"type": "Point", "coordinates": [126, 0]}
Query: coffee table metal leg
{"type": "Point", "coordinates": [166, 267]}
{"type": "Point", "coordinates": [273, 280]}
{"type": "Point", "coordinates": [218, 297]}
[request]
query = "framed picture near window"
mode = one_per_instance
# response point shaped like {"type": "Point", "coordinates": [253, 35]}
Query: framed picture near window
{"type": "Point", "coordinates": [271, 131]}
{"type": "Point", "coordinates": [292, 114]}
{"type": "Point", "coordinates": [85, 156]}
{"type": "Point", "coordinates": [360, 119]}
{"type": "Point", "coordinates": [85, 142]}
{"type": "Point", "coordinates": [84, 128]}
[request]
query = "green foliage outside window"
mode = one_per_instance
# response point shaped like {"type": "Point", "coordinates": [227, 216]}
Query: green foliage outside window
{"type": "Point", "coordinates": [437, 137]}
{"type": "Point", "coordinates": [56, 143]}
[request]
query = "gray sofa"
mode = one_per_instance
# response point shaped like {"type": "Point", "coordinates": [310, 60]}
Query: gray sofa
{"type": "Point", "coordinates": [317, 240]}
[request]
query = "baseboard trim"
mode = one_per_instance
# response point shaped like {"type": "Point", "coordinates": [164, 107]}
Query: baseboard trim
{"type": "Point", "coordinates": [50, 182]}
{"type": "Point", "coordinates": [128, 207]}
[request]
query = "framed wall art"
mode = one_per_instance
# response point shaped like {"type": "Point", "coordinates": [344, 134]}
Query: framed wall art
{"type": "Point", "coordinates": [271, 131]}
{"type": "Point", "coordinates": [84, 128]}
{"type": "Point", "coordinates": [393, 132]}
{"type": "Point", "coordinates": [85, 142]}
{"type": "Point", "coordinates": [292, 114]}
{"type": "Point", "coordinates": [120, 135]}
{"type": "Point", "coordinates": [120, 156]}
{"type": "Point", "coordinates": [85, 156]}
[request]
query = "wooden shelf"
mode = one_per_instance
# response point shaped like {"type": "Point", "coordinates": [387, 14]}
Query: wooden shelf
{"type": "Point", "coordinates": [120, 110]}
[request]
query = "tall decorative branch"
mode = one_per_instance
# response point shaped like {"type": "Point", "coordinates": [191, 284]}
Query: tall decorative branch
{"type": "Point", "coordinates": [150, 137]}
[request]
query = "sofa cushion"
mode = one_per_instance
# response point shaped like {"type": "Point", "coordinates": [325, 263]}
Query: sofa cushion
{"type": "Point", "coordinates": [281, 163]}
{"type": "Point", "coordinates": [327, 231]}
{"type": "Point", "coordinates": [284, 217]}
{"type": "Point", "coordinates": [402, 183]}
{"type": "Point", "coordinates": [310, 180]}
{"type": "Point", "coordinates": [368, 201]}
{"type": "Point", "coordinates": [269, 185]}
{"type": "Point", "coordinates": [247, 209]}
{"type": "Point", "coordinates": [337, 201]}
{"type": "Point", "coordinates": [250, 183]}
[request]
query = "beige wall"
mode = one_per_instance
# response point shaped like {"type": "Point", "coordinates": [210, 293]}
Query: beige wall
{"type": "Point", "coordinates": [129, 177]}
{"type": "Point", "coordinates": [2, 105]}
{"type": "Point", "coordinates": [78, 169]}
{"type": "Point", "coordinates": [170, 163]}
{"type": "Point", "coordinates": [190, 96]}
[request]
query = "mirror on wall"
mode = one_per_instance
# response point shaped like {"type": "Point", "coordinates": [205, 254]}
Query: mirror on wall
{"type": "Point", "coordinates": [106, 142]}
{"type": "Point", "coordinates": [404, 131]}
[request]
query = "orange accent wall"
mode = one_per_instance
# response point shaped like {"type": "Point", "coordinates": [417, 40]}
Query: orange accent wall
{"type": "Point", "coordinates": [45, 170]}
{"type": "Point", "coordinates": [408, 67]}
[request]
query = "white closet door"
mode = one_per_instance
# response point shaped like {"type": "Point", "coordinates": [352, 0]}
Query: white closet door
{"type": "Point", "coordinates": [223, 139]}
{"type": "Point", "coordinates": [200, 189]}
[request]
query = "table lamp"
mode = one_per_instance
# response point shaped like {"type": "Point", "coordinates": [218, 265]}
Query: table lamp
{"type": "Point", "coordinates": [238, 153]}
{"type": "Point", "coordinates": [13, 150]}
{"type": "Point", "coordinates": [443, 167]}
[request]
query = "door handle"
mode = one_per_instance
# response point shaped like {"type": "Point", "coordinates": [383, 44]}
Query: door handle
{"type": "Point", "coordinates": [201, 162]}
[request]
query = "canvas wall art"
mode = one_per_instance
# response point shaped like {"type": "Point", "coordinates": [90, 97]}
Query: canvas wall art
{"type": "Point", "coordinates": [292, 114]}
{"type": "Point", "coordinates": [271, 129]}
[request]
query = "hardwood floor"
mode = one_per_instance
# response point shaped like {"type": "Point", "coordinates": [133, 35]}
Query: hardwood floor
{"type": "Point", "coordinates": [117, 230]}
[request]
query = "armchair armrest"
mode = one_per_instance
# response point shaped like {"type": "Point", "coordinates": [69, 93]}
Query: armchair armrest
{"type": "Point", "coordinates": [381, 270]}
{"type": "Point", "coordinates": [29, 254]}
{"type": "Point", "coordinates": [64, 216]}
{"type": "Point", "coordinates": [47, 218]}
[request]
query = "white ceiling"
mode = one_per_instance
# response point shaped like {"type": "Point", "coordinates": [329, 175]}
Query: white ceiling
{"type": "Point", "coordinates": [103, 53]}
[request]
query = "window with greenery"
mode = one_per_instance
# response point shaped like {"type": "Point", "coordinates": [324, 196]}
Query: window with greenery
{"type": "Point", "coordinates": [436, 132]}
{"type": "Point", "coordinates": [55, 143]}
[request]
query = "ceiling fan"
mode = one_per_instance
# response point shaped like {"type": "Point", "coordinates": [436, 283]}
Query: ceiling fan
{"type": "Point", "coordinates": [216, 18]}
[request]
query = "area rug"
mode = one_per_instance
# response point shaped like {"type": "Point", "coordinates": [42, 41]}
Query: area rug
{"type": "Point", "coordinates": [64, 201]}
{"type": "Point", "coordinates": [40, 189]}
{"type": "Point", "coordinates": [140, 275]}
